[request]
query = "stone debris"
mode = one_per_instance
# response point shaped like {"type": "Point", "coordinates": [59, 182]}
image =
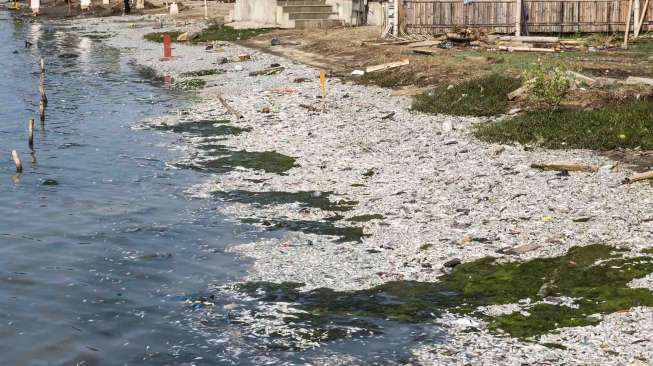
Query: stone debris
{"type": "Point", "coordinates": [417, 171]}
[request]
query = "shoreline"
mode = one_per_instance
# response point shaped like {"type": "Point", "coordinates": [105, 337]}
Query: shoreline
{"type": "Point", "coordinates": [442, 194]}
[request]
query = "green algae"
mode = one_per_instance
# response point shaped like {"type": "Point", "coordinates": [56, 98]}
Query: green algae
{"type": "Point", "coordinates": [595, 277]}
{"type": "Point", "coordinates": [189, 84]}
{"type": "Point", "coordinates": [204, 128]}
{"type": "Point", "coordinates": [267, 161]}
{"type": "Point", "coordinates": [365, 218]}
{"type": "Point", "coordinates": [199, 73]}
{"type": "Point", "coordinates": [303, 198]}
{"type": "Point", "coordinates": [326, 227]}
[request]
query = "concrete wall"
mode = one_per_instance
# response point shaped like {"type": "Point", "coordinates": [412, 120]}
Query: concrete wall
{"type": "Point", "coordinates": [260, 11]}
{"type": "Point", "coordinates": [375, 13]}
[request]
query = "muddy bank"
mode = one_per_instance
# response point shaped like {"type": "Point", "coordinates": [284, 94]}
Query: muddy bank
{"type": "Point", "coordinates": [368, 193]}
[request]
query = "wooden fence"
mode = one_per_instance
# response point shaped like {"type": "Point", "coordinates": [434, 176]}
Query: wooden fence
{"type": "Point", "coordinates": [500, 16]}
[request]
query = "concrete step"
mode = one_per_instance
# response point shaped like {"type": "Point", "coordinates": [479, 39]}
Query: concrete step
{"type": "Point", "coordinates": [317, 23]}
{"type": "Point", "coordinates": [300, 2]}
{"type": "Point", "coordinates": [310, 16]}
{"type": "Point", "coordinates": [290, 9]}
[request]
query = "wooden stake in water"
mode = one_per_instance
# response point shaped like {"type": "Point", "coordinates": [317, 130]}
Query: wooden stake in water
{"type": "Point", "coordinates": [30, 129]}
{"type": "Point", "coordinates": [19, 165]}
{"type": "Point", "coordinates": [42, 111]}
{"type": "Point", "coordinates": [44, 98]}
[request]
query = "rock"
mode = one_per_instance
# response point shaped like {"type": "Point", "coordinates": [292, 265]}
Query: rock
{"type": "Point", "coordinates": [244, 57]}
{"type": "Point", "coordinates": [452, 263]}
{"type": "Point", "coordinates": [275, 41]}
{"type": "Point", "coordinates": [358, 73]}
{"type": "Point", "coordinates": [447, 126]}
{"type": "Point", "coordinates": [520, 249]}
{"type": "Point", "coordinates": [182, 37]}
{"type": "Point", "coordinates": [581, 219]}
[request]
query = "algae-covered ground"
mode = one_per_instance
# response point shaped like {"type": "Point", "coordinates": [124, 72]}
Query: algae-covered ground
{"type": "Point", "coordinates": [594, 278]}
{"type": "Point", "coordinates": [227, 159]}
{"type": "Point", "coordinates": [215, 32]}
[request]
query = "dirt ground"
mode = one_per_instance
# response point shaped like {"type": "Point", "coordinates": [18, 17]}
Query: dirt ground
{"type": "Point", "coordinates": [345, 49]}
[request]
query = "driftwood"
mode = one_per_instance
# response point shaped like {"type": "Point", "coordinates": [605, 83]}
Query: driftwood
{"type": "Point", "coordinates": [268, 71]}
{"type": "Point", "coordinates": [639, 176]}
{"type": "Point", "coordinates": [581, 77]}
{"type": "Point", "coordinates": [518, 93]}
{"type": "Point", "coordinates": [425, 51]}
{"type": "Point", "coordinates": [387, 66]}
{"type": "Point", "coordinates": [459, 38]}
{"type": "Point", "coordinates": [530, 39]}
{"type": "Point", "coordinates": [566, 167]}
{"type": "Point", "coordinates": [525, 49]}
{"type": "Point", "coordinates": [424, 44]}
{"type": "Point", "coordinates": [639, 80]}
{"type": "Point", "coordinates": [229, 108]}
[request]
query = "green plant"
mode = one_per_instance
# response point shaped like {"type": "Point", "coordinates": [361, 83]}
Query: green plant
{"type": "Point", "coordinates": [487, 96]}
{"type": "Point", "coordinates": [547, 84]}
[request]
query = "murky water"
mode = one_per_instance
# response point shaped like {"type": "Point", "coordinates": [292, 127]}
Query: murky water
{"type": "Point", "coordinates": [102, 255]}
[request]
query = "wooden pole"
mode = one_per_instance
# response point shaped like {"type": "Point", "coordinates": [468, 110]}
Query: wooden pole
{"type": "Point", "coordinates": [635, 13]}
{"type": "Point", "coordinates": [638, 26]}
{"type": "Point", "coordinates": [42, 111]}
{"type": "Point", "coordinates": [630, 11]}
{"type": "Point", "coordinates": [44, 98]}
{"type": "Point", "coordinates": [518, 12]}
{"type": "Point", "coordinates": [30, 129]}
{"type": "Point", "coordinates": [19, 165]}
{"type": "Point", "coordinates": [206, 10]}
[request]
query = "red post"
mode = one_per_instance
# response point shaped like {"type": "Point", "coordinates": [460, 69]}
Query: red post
{"type": "Point", "coordinates": [167, 49]}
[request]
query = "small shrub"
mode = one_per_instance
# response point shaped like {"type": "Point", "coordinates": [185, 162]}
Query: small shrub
{"type": "Point", "coordinates": [547, 85]}
{"type": "Point", "coordinates": [487, 96]}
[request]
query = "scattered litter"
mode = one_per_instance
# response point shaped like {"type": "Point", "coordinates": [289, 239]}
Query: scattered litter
{"type": "Point", "coordinates": [390, 65]}
{"type": "Point", "coordinates": [267, 71]}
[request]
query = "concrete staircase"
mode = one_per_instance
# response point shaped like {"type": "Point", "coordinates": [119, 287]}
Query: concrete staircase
{"type": "Point", "coordinates": [303, 14]}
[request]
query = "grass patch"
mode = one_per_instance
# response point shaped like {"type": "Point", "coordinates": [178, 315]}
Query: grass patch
{"type": "Point", "coordinates": [199, 73]}
{"type": "Point", "coordinates": [595, 277]}
{"type": "Point", "coordinates": [158, 36]}
{"type": "Point", "coordinates": [189, 84]}
{"type": "Point", "coordinates": [218, 32]}
{"type": "Point", "coordinates": [487, 96]}
{"type": "Point", "coordinates": [624, 126]}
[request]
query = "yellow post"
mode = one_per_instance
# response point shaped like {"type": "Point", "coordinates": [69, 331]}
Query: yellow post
{"type": "Point", "coordinates": [323, 84]}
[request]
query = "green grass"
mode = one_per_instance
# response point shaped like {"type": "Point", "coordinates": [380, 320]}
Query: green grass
{"type": "Point", "coordinates": [487, 96]}
{"type": "Point", "coordinates": [212, 33]}
{"type": "Point", "coordinates": [226, 33]}
{"type": "Point", "coordinates": [623, 126]}
{"type": "Point", "coordinates": [158, 36]}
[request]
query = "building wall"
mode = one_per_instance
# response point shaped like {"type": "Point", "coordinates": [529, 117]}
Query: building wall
{"type": "Point", "coordinates": [260, 11]}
